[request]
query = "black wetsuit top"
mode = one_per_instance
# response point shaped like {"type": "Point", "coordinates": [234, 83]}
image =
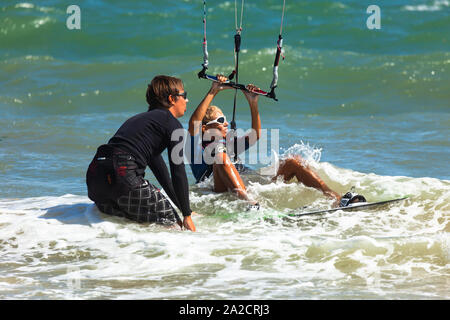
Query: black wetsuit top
{"type": "Point", "coordinates": [146, 135]}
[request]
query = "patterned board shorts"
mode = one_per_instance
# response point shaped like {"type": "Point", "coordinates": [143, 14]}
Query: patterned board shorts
{"type": "Point", "coordinates": [144, 204]}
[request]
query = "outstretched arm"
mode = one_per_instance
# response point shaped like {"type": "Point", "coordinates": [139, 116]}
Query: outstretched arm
{"type": "Point", "coordinates": [252, 99]}
{"type": "Point", "coordinates": [200, 112]}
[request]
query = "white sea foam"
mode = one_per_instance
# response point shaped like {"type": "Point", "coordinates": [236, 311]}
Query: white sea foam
{"type": "Point", "coordinates": [40, 22]}
{"type": "Point", "coordinates": [63, 247]}
{"type": "Point", "coordinates": [437, 5]}
{"type": "Point", "coordinates": [307, 152]}
{"type": "Point", "coordinates": [24, 5]}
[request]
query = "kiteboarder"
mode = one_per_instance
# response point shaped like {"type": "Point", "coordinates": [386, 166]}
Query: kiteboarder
{"type": "Point", "coordinates": [226, 173]}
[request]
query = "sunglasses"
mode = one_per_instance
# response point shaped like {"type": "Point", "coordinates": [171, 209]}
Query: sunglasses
{"type": "Point", "coordinates": [184, 95]}
{"type": "Point", "coordinates": [220, 120]}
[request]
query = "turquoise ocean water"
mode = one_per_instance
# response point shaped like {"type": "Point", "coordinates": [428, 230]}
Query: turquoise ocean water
{"type": "Point", "coordinates": [368, 108]}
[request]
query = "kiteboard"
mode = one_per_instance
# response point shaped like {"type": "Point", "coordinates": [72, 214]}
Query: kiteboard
{"type": "Point", "coordinates": [353, 206]}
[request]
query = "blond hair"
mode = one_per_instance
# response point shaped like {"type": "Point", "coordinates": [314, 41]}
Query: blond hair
{"type": "Point", "coordinates": [210, 114]}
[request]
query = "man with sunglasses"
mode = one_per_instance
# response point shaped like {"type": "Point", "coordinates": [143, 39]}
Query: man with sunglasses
{"type": "Point", "coordinates": [115, 178]}
{"type": "Point", "coordinates": [208, 129]}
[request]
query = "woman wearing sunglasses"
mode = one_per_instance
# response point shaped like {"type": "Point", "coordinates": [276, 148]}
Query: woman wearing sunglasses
{"type": "Point", "coordinates": [115, 178]}
{"type": "Point", "coordinates": [208, 121]}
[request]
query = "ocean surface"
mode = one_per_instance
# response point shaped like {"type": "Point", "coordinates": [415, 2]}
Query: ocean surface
{"type": "Point", "coordinates": [365, 108]}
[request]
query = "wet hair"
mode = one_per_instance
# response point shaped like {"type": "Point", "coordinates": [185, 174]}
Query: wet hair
{"type": "Point", "coordinates": [210, 114]}
{"type": "Point", "coordinates": [160, 89]}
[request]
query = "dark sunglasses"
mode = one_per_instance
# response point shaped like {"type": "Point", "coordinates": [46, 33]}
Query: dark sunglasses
{"type": "Point", "coordinates": [184, 95]}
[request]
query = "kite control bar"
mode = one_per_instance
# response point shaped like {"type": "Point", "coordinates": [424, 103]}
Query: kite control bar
{"type": "Point", "coordinates": [202, 74]}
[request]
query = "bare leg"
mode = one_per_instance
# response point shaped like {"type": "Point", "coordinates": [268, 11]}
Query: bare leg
{"type": "Point", "coordinates": [293, 167]}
